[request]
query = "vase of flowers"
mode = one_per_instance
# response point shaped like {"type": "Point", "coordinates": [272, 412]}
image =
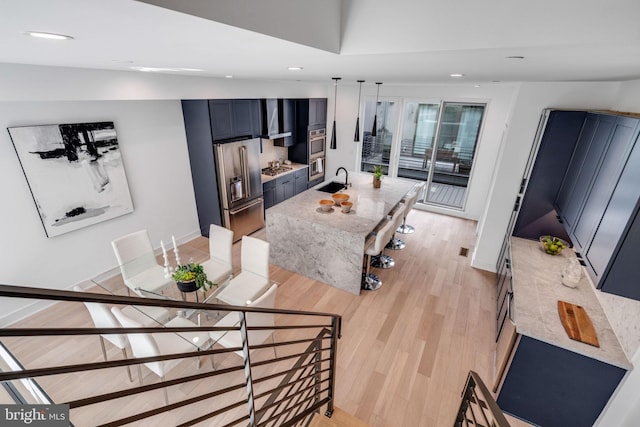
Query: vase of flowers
{"type": "Point", "coordinates": [190, 277]}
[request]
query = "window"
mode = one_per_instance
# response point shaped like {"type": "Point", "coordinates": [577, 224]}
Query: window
{"type": "Point", "coordinates": [376, 150]}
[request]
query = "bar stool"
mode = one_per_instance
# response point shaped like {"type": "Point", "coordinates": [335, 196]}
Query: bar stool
{"type": "Point", "coordinates": [410, 202]}
{"type": "Point", "coordinates": [383, 260]}
{"type": "Point", "coordinates": [371, 282]}
{"type": "Point", "coordinates": [395, 243]}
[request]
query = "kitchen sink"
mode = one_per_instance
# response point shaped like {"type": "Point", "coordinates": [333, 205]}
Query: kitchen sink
{"type": "Point", "coordinates": [331, 187]}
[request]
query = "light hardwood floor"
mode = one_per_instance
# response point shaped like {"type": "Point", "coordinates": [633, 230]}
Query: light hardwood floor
{"type": "Point", "coordinates": [405, 349]}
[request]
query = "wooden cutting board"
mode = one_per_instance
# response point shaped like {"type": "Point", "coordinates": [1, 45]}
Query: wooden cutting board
{"type": "Point", "coordinates": [577, 323]}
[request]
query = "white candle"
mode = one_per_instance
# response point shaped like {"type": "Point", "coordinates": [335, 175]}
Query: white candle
{"type": "Point", "coordinates": [175, 250]}
{"type": "Point", "coordinates": [164, 251]}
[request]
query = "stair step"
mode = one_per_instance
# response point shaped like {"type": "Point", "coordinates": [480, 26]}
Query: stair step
{"type": "Point", "coordinates": [338, 419]}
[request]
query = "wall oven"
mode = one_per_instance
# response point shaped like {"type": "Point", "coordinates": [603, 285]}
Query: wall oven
{"type": "Point", "coordinates": [316, 168]}
{"type": "Point", "coordinates": [317, 140]}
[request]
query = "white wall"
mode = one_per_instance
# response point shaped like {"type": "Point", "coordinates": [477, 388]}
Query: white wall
{"type": "Point", "coordinates": [532, 98]}
{"type": "Point", "coordinates": [148, 118]}
{"type": "Point", "coordinates": [153, 146]}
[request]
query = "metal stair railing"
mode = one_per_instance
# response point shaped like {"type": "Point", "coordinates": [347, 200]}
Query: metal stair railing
{"type": "Point", "coordinates": [478, 408]}
{"type": "Point", "coordinates": [285, 390]}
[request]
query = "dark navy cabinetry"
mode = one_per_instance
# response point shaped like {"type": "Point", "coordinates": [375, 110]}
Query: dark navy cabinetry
{"type": "Point", "coordinates": [537, 215]}
{"type": "Point", "coordinates": [283, 187]}
{"type": "Point", "coordinates": [234, 118]}
{"type": "Point", "coordinates": [598, 198]}
{"type": "Point", "coordinates": [203, 166]}
{"type": "Point", "coordinates": [553, 387]}
{"type": "Point", "coordinates": [317, 112]}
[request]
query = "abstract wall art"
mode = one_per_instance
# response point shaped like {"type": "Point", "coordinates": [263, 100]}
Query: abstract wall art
{"type": "Point", "coordinates": [75, 173]}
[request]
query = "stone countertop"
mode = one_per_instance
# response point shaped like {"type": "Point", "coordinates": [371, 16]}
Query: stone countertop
{"type": "Point", "coordinates": [537, 288]}
{"type": "Point", "coordinates": [294, 167]}
{"type": "Point", "coordinates": [370, 205]}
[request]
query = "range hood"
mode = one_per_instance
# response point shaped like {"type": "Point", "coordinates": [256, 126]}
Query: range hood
{"type": "Point", "coordinates": [277, 118]}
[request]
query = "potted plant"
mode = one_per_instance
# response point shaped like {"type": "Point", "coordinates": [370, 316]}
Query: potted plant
{"type": "Point", "coordinates": [191, 277]}
{"type": "Point", "coordinates": [377, 176]}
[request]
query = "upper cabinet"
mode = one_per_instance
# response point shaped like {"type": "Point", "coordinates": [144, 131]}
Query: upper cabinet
{"type": "Point", "coordinates": [234, 118]}
{"type": "Point", "coordinates": [598, 201]}
{"type": "Point", "coordinates": [317, 112]}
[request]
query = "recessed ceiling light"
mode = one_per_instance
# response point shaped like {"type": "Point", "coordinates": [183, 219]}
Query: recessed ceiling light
{"type": "Point", "coordinates": [294, 68]}
{"type": "Point", "coordinates": [162, 69]}
{"type": "Point", "coordinates": [456, 75]}
{"type": "Point", "coordinates": [514, 57]}
{"type": "Point", "coordinates": [228, 76]}
{"type": "Point", "coordinates": [476, 85]}
{"type": "Point", "coordinates": [50, 36]}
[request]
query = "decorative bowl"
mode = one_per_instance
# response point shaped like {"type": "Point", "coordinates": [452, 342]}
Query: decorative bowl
{"type": "Point", "coordinates": [553, 245]}
{"type": "Point", "coordinates": [346, 206]}
{"type": "Point", "coordinates": [326, 204]}
{"type": "Point", "coordinates": [339, 198]}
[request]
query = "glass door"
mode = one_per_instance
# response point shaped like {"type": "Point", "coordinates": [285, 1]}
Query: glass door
{"type": "Point", "coordinates": [438, 144]}
{"type": "Point", "coordinates": [457, 137]}
{"type": "Point", "coordinates": [420, 123]}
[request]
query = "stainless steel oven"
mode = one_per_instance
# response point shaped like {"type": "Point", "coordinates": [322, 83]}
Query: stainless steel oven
{"type": "Point", "coordinates": [316, 168]}
{"type": "Point", "coordinates": [317, 141]}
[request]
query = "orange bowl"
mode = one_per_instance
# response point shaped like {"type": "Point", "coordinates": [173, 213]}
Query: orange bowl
{"type": "Point", "coordinates": [326, 204]}
{"type": "Point", "coordinates": [339, 198]}
{"type": "Point", "coordinates": [346, 206]}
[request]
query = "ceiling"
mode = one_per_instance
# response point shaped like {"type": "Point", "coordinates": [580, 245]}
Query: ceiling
{"type": "Point", "coordinates": [400, 41]}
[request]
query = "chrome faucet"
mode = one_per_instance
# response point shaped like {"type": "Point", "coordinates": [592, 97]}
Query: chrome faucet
{"type": "Point", "coordinates": [346, 179]}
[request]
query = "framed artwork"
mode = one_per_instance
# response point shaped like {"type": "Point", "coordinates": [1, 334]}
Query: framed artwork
{"type": "Point", "coordinates": [75, 173]}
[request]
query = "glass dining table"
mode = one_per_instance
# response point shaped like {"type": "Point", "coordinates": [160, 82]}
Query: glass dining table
{"type": "Point", "coordinates": [166, 316]}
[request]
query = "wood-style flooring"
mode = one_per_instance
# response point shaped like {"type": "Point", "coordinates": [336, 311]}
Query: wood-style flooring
{"type": "Point", "coordinates": [405, 349]}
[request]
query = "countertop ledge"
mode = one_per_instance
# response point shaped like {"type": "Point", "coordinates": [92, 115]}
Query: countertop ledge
{"type": "Point", "coordinates": [537, 288]}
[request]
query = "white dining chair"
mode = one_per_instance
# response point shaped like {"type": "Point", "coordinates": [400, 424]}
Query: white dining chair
{"type": "Point", "coordinates": [150, 345]}
{"type": "Point", "coordinates": [138, 265]}
{"type": "Point", "coordinates": [103, 318]}
{"type": "Point", "coordinates": [231, 339]}
{"type": "Point", "coordinates": [253, 279]}
{"type": "Point", "coordinates": [219, 267]}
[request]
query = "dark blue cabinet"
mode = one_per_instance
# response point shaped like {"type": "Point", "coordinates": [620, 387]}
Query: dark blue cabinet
{"type": "Point", "coordinates": [317, 112]}
{"type": "Point", "coordinates": [537, 215]}
{"type": "Point", "coordinates": [203, 165]}
{"type": "Point", "coordinates": [300, 179]}
{"type": "Point", "coordinates": [582, 171]}
{"type": "Point", "coordinates": [234, 118]}
{"type": "Point", "coordinates": [269, 193]}
{"type": "Point", "coordinates": [553, 387]}
{"type": "Point", "coordinates": [285, 187]}
{"type": "Point", "coordinates": [598, 201]}
{"type": "Point", "coordinates": [616, 153]}
{"type": "Point", "coordinates": [616, 242]}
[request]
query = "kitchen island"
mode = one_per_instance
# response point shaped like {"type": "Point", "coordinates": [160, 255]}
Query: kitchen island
{"type": "Point", "coordinates": [329, 247]}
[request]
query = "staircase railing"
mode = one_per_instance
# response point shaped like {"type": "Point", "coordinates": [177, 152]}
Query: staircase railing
{"type": "Point", "coordinates": [478, 407]}
{"type": "Point", "coordinates": [283, 389]}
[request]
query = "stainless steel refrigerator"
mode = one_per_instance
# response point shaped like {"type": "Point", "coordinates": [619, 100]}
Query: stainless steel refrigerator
{"type": "Point", "coordinates": [240, 185]}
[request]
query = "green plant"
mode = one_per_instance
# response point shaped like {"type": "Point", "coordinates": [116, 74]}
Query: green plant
{"type": "Point", "coordinates": [377, 172]}
{"type": "Point", "coordinates": [193, 272]}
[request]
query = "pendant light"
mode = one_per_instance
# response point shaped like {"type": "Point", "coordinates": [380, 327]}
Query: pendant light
{"type": "Point", "coordinates": [335, 102]}
{"type": "Point", "coordinates": [374, 131]}
{"type": "Point", "coordinates": [356, 137]}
